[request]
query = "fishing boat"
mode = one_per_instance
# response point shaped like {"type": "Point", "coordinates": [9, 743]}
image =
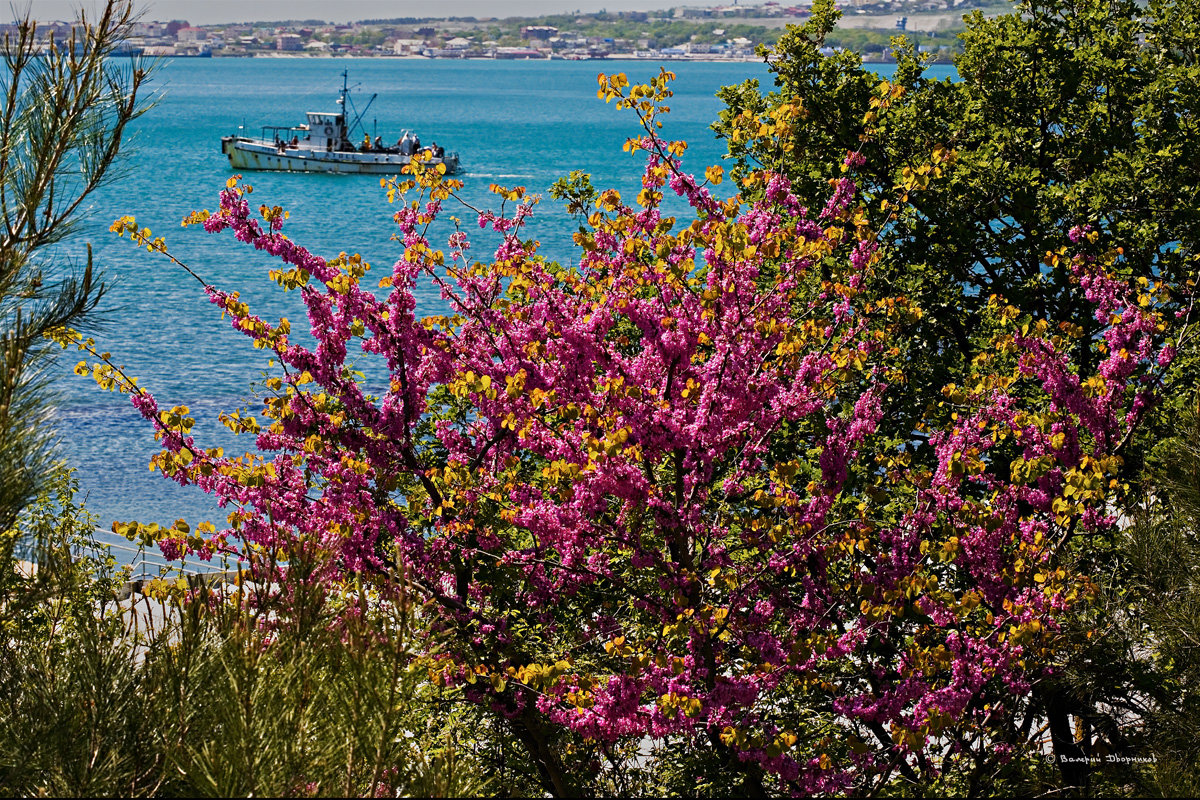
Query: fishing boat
{"type": "Point", "coordinates": [326, 143]}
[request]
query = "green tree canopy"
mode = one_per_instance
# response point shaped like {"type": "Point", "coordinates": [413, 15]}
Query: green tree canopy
{"type": "Point", "coordinates": [1066, 113]}
{"type": "Point", "coordinates": [1073, 127]}
{"type": "Point", "coordinates": [64, 109]}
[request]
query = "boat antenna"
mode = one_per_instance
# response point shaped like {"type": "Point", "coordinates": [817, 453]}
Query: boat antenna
{"type": "Point", "coordinates": [346, 89]}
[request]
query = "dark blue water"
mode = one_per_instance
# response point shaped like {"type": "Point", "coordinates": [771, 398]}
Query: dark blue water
{"type": "Point", "coordinates": [513, 123]}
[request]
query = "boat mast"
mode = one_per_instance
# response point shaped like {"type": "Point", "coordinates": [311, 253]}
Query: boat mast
{"type": "Point", "coordinates": [350, 126]}
{"type": "Point", "coordinates": [344, 130]}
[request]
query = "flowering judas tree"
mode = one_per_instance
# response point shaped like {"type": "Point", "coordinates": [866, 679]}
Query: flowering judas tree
{"type": "Point", "coordinates": [647, 498]}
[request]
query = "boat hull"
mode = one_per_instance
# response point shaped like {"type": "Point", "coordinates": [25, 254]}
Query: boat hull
{"type": "Point", "coordinates": [246, 154]}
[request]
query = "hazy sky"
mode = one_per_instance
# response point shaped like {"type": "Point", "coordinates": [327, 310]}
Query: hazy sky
{"type": "Point", "coordinates": [206, 12]}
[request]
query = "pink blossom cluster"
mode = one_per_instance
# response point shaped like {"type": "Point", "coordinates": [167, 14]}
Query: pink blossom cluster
{"type": "Point", "coordinates": [649, 495]}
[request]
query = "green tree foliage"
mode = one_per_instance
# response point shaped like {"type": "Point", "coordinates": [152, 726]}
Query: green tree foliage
{"type": "Point", "coordinates": [1068, 115]}
{"type": "Point", "coordinates": [1132, 677]}
{"type": "Point", "coordinates": [1157, 590]}
{"type": "Point", "coordinates": [71, 710]}
{"type": "Point", "coordinates": [63, 113]}
{"type": "Point", "coordinates": [207, 690]}
{"type": "Point", "coordinates": [1068, 112]}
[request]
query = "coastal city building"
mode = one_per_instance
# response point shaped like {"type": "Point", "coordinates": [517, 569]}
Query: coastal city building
{"type": "Point", "coordinates": [725, 31]}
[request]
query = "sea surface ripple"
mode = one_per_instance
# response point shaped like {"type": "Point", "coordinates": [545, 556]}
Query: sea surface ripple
{"type": "Point", "coordinates": [514, 123]}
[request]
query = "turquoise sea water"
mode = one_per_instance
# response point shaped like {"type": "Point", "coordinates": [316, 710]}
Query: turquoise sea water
{"type": "Point", "coordinates": [514, 123]}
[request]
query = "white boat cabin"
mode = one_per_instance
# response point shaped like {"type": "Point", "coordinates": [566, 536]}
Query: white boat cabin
{"type": "Point", "coordinates": [326, 131]}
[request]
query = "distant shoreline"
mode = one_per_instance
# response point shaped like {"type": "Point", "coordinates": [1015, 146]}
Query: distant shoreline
{"type": "Point", "coordinates": [690, 58]}
{"type": "Point", "coordinates": [611, 57]}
